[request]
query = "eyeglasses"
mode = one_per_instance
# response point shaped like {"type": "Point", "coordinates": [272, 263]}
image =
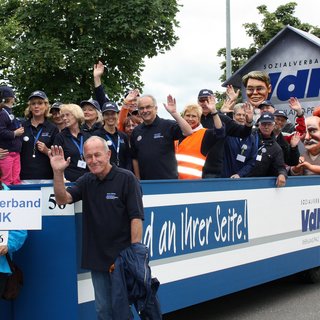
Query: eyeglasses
{"type": "Point", "coordinates": [203, 100]}
{"type": "Point", "coordinates": [251, 90]}
{"type": "Point", "coordinates": [147, 108]}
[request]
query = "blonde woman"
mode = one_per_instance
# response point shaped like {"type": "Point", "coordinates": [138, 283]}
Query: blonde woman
{"type": "Point", "coordinates": [71, 139]}
{"type": "Point", "coordinates": [92, 116]}
{"type": "Point", "coordinates": [191, 151]}
{"type": "Point", "coordinates": [38, 137]}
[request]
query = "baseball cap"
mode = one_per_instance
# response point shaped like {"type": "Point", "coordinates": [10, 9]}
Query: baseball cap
{"type": "Point", "coordinates": [204, 93]}
{"type": "Point", "coordinates": [280, 113]}
{"type": "Point", "coordinates": [266, 117]}
{"type": "Point", "coordinates": [109, 106]}
{"type": "Point", "coordinates": [6, 92]}
{"type": "Point", "coordinates": [266, 103]}
{"type": "Point", "coordinates": [38, 94]}
{"type": "Point", "coordinates": [56, 106]}
{"type": "Point", "coordinates": [92, 102]}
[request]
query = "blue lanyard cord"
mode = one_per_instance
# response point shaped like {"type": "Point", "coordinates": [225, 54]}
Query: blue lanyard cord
{"type": "Point", "coordinates": [35, 140]}
{"type": "Point", "coordinates": [116, 149]}
{"type": "Point", "coordinates": [79, 146]}
{"type": "Point", "coordinates": [257, 144]}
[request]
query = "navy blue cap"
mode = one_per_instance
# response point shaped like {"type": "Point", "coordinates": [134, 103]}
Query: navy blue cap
{"type": "Point", "coordinates": [266, 103]}
{"type": "Point", "coordinates": [280, 113]}
{"type": "Point", "coordinates": [38, 94]}
{"type": "Point", "coordinates": [110, 106]}
{"type": "Point", "coordinates": [57, 105]}
{"type": "Point", "coordinates": [266, 117]}
{"type": "Point", "coordinates": [6, 92]}
{"type": "Point", "coordinates": [92, 102]}
{"type": "Point", "coordinates": [205, 93]}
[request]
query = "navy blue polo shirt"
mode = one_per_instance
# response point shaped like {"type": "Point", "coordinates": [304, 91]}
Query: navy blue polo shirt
{"type": "Point", "coordinates": [153, 146]}
{"type": "Point", "coordinates": [121, 157]}
{"type": "Point", "coordinates": [37, 167]}
{"type": "Point", "coordinates": [108, 207]}
{"type": "Point", "coordinates": [70, 146]}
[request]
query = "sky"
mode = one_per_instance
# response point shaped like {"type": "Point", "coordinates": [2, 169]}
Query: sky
{"type": "Point", "coordinates": [192, 64]}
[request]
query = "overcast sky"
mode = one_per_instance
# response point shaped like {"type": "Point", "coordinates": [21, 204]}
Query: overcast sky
{"type": "Point", "coordinates": [193, 64]}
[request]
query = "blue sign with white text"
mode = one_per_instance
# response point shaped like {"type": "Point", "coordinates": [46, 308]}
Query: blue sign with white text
{"type": "Point", "coordinates": [181, 229]}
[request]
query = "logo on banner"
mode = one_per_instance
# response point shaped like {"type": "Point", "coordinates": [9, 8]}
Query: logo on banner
{"type": "Point", "coordinates": [310, 219]}
{"type": "Point", "coordinates": [302, 85]}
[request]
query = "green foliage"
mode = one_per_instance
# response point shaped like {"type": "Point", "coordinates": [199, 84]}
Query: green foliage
{"type": "Point", "coordinates": [271, 24]}
{"type": "Point", "coordinates": [51, 45]}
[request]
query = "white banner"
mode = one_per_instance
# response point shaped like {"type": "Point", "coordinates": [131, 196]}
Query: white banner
{"type": "Point", "coordinates": [20, 210]}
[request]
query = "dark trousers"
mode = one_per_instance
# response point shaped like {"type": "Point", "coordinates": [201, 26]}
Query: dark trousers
{"type": "Point", "coordinates": [3, 278]}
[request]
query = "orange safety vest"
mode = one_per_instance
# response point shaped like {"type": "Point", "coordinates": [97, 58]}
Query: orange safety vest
{"type": "Point", "coordinates": [189, 157]}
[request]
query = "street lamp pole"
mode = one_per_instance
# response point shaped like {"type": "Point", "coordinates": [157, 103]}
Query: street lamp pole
{"type": "Point", "coordinates": [228, 41]}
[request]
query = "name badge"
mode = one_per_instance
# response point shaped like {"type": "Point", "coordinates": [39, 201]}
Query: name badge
{"type": "Point", "coordinates": [81, 164]}
{"type": "Point", "coordinates": [241, 158]}
{"type": "Point", "coordinates": [259, 157]}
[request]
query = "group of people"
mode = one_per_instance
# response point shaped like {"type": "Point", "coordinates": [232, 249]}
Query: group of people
{"type": "Point", "coordinates": [240, 140]}
{"type": "Point", "coordinates": [106, 151]}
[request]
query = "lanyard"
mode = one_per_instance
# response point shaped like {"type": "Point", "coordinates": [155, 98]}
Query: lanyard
{"type": "Point", "coordinates": [35, 140]}
{"type": "Point", "coordinates": [116, 149]}
{"type": "Point", "coordinates": [11, 116]}
{"type": "Point", "coordinates": [243, 146]}
{"type": "Point", "coordinates": [79, 146]}
{"type": "Point", "coordinates": [12, 119]}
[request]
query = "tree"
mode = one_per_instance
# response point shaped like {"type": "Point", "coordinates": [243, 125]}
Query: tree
{"type": "Point", "coordinates": [271, 24]}
{"type": "Point", "coordinates": [51, 45]}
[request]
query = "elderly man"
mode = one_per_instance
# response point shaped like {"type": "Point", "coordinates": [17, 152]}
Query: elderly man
{"type": "Point", "coordinates": [269, 160]}
{"type": "Point", "coordinates": [309, 162]}
{"type": "Point", "coordinates": [152, 142]}
{"type": "Point", "coordinates": [112, 213]}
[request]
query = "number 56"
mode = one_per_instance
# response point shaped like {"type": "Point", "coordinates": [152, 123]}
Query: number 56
{"type": "Point", "coordinates": [53, 203]}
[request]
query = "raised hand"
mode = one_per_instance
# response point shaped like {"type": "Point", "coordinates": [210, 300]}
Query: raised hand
{"type": "Point", "coordinates": [57, 161]}
{"type": "Point", "coordinates": [295, 139]}
{"type": "Point", "coordinates": [132, 96]}
{"type": "Point", "coordinates": [295, 105]}
{"type": "Point", "coordinates": [171, 105]}
{"type": "Point", "coordinates": [211, 104]}
{"type": "Point", "coordinates": [227, 106]}
{"type": "Point", "coordinates": [98, 70]}
{"type": "Point", "coordinates": [249, 112]}
{"type": "Point", "coordinates": [231, 93]}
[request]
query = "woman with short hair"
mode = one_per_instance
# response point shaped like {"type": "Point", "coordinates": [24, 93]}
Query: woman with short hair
{"type": "Point", "coordinates": [71, 139]}
{"type": "Point", "coordinates": [92, 116]}
{"type": "Point", "coordinates": [191, 151]}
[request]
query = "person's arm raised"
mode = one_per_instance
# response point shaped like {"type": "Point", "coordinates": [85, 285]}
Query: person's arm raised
{"type": "Point", "coordinates": [171, 107]}
{"type": "Point", "coordinates": [98, 70]}
{"type": "Point", "coordinates": [59, 164]}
